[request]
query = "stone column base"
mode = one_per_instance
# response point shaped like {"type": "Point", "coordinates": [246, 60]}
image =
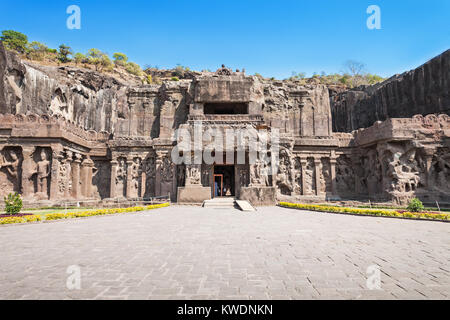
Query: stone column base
{"type": "Point", "coordinates": [259, 196]}
{"type": "Point", "coordinates": [193, 194]}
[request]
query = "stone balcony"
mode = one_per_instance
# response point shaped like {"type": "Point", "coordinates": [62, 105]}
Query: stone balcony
{"type": "Point", "coordinates": [227, 119]}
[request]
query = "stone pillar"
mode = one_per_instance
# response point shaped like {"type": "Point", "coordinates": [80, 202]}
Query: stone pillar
{"type": "Point", "coordinates": [129, 177]}
{"type": "Point", "coordinates": [68, 180]}
{"type": "Point", "coordinates": [317, 167]}
{"type": "Point", "coordinates": [87, 172]}
{"type": "Point", "coordinates": [304, 163]}
{"type": "Point", "coordinates": [143, 181]}
{"type": "Point", "coordinates": [76, 190]}
{"type": "Point", "coordinates": [57, 157]}
{"type": "Point", "coordinates": [333, 162]}
{"type": "Point", "coordinates": [429, 161]}
{"type": "Point", "coordinates": [112, 193]}
{"type": "Point", "coordinates": [27, 171]}
{"type": "Point", "coordinates": [159, 167]}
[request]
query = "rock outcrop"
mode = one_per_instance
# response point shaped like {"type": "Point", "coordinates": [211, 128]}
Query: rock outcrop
{"type": "Point", "coordinates": [425, 90]}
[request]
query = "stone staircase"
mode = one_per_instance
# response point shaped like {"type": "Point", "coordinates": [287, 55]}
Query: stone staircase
{"type": "Point", "coordinates": [228, 203]}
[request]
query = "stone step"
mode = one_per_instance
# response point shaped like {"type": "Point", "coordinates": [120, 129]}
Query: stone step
{"type": "Point", "coordinates": [219, 203]}
{"type": "Point", "coordinates": [245, 206]}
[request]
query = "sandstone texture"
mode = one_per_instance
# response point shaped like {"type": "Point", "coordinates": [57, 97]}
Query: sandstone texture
{"type": "Point", "coordinates": [71, 134]}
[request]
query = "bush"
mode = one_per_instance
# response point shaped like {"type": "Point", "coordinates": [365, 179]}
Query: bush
{"type": "Point", "coordinates": [13, 203]}
{"type": "Point", "coordinates": [416, 205]}
{"type": "Point", "coordinates": [134, 69]}
{"type": "Point", "coordinates": [175, 79]}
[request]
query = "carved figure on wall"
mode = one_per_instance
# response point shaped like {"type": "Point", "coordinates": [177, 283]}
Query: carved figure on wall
{"type": "Point", "coordinates": [402, 170]}
{"type": "Point", "coordinates": [121, 177]}
{"type": "Point", "coordinates": [62, 178]}
{"type": "Point", "coordinates": [193, 176]}
{"type": "Point", "coordinates": [256, 177]}
{"type": "Point", "coordinates": [441, 171]}
{"type": "Point", "coordinates": [167, 170]}
{"type": "Point", "coordinates": [11, 167]}
{"type": "Point", "coordinates": [42, 174]}
{"type": "Point", "coordinates": [136, 172]}
{"type": "Point", "coordinates": [325, 176]}
{"type": "Point", "coordinates": [345, 180]}
{"type": "Point", "coordinates": [297, 176]}
{"type": "Point", "coordinates": [310, 177]}
{"type": "Point", "coordinates": [286, 174]}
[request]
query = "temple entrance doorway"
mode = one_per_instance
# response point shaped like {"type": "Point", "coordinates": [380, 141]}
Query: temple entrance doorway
{"type": "Point", "coordinates": [224, 181]}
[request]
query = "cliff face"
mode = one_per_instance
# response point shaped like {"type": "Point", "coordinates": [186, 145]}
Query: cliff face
{"type": "Point", "coordinates": [425, 90]}
{"type": "Point", "coordinates": [84, 97]}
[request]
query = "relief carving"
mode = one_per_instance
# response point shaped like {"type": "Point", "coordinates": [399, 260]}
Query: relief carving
{"type": "Point", "coordinates": [10, 171]}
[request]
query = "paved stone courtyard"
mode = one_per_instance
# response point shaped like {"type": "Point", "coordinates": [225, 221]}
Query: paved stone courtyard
{"type": "Point", "coordinates": [195, 253]}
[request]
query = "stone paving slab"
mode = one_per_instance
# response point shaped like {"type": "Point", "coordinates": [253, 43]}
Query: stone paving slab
{"type": "Point", "coordinates": [196, 253]}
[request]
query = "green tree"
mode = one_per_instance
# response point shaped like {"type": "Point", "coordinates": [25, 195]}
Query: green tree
{"type": "Point", "coordinates": [120, 59]}
{"type": "Point", "coordinates": [14, 40]}
{"type": "Point", "coordinates": [37, 51]}
{"type": "Point", "coordinates": [79, 58]}
{"type": "Point", "coordinates": [99, 59]}
{"type": "Point", "coordinates": [64, 53]}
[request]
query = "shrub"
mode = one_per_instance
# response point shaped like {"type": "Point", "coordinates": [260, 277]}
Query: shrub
{"type": "Point", "coordinates": [134, 69]}
{"type": "Point", "coordinates": [13, 203]}
{"type": "Point", "coordinates": [175, 79]}
{"type": "Point", "coordinates": [416, 205]}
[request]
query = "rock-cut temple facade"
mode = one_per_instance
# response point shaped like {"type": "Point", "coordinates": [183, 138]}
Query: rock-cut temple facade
{"type": "Point", "coordinates": [73, 134]}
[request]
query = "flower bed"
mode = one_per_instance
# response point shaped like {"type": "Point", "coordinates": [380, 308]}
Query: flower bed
{"type": "Point", "coordinates": [20, 219]}
{"type": "Point", "coordinates": [84, 214]}
{"type": "Point", "coordinates": [368, 212]}
{"type": "Point", "coordinates": [20, 215]}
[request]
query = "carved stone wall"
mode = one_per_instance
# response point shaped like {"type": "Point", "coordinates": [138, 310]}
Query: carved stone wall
{"type": "Point", "coordinates": [71, 134]}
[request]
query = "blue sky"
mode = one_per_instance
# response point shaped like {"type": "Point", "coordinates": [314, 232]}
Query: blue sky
{"type": "Point", "coordinates": [273, 38]}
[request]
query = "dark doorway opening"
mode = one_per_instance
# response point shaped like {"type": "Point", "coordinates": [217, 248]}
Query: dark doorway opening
{"type": "Point", "coordinates": [225, 108]}
{"type": "Point", "coordinates": [224, 185]}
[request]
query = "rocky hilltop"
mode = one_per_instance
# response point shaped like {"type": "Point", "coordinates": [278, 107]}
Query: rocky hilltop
{"type": "Point", "coordinates": [425, 90]}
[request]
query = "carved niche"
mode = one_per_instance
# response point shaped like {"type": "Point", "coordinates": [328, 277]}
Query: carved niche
{"type": "Point", "coordinates": [136, 178]}
{"type": "Point", "coordinates": [121, 177]}
{"type": "Point", "coordinates": [285, 173]}
{"type": "Point", "coordinates": [345, 175]}
{"type": "Point", "coordinates": [42, 173]}
{"type": "Point", "coordinates": [10, 170]}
